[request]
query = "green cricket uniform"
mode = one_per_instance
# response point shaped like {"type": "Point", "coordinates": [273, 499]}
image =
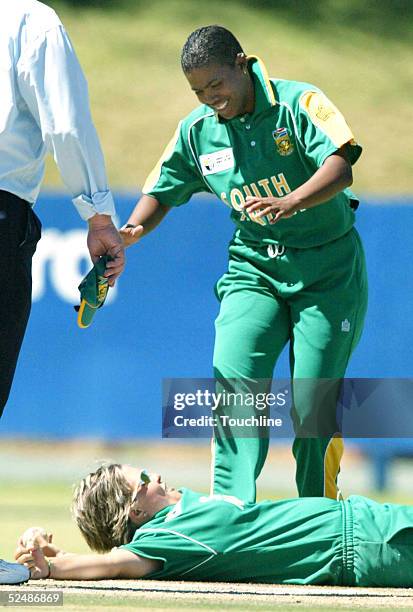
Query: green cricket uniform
{"type": "Point", "coordinates": [301, 280]}
{"type": "Point", "coordinates": [356, 542]}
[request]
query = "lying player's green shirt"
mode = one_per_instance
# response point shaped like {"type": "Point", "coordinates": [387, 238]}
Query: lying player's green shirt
{"type": "Point", "coordinates": [271, 152]}
{"type": "Point", "coordinates": [296, 541]}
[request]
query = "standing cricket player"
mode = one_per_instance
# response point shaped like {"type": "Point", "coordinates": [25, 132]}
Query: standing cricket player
{"type": "Point", "coordinates": [279, 154]}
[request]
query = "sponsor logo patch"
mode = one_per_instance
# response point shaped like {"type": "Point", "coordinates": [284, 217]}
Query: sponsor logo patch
{"type": "Point", "coordinates": [283, 141]}
{"type": "Point", "coordinates": [211, 163]}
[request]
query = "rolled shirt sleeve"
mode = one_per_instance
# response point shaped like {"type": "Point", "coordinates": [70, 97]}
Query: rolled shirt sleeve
{"type": "Point", "coordinates": [54, 88]}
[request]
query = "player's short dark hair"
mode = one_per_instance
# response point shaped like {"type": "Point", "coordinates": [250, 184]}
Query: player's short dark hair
{"type": "Point", "coordinates": [209, 45]}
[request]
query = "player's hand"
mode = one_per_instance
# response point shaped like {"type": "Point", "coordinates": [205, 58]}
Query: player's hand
{"type": "Point", "coordinates": [276, 208]}
{"type": "Point", "coordinates": [44, 543]}
{"type": "Point", "coordinates": [131, 234]}
{"type": "Point", "coordinates": [34, 559]}
{"type": "Point", "coordinates": [103, 238]}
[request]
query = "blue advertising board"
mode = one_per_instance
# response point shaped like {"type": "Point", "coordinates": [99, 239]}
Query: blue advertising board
{"type": "Point", "coordinates": [106, 381]}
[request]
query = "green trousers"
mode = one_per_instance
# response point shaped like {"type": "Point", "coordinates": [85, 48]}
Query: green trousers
{"type": "Point", "coordinates": [314, 298]}
{"type": "Point", "coordinates": [379, 543]}
{"type": "Point", "coordinates": [356, 542]}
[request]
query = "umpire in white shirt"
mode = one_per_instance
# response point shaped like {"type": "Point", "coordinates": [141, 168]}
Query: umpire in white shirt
{"type": "Point", "coordinates": [44, 107]}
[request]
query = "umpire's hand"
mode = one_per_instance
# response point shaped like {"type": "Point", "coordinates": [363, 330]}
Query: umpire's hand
{"type": "Point", "coordinates": [103, 238]}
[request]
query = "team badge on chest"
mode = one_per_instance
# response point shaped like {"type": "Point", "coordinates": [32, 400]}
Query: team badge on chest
{"type": "Point", "coordinates": [283, 141]}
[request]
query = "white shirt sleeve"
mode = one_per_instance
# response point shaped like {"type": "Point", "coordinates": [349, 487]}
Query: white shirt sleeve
{"type": "Point", "coordinates": [54, 88]}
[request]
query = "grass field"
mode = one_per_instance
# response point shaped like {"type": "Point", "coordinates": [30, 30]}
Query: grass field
{"type": "Point", "coordinates": [36, 487]}
{"type": "Point", "coordinates": [125, 599]}
{"type": "Point", "coordinates": [174, 595]}
{"type": "Point", "coordinates": [358, 53]}
{"type": "Point", "coordinates": [164, 595]}
{"type": "Point", "coordinates": [35, 502]}
{"type": "Point", "coordinates": [37, 478]}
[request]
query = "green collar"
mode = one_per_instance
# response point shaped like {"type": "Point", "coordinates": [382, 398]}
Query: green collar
{"type": "Point", "coordinates": [264, 92]}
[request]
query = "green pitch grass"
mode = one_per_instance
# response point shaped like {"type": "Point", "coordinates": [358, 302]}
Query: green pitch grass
{"type": "Point", "coordinates": [72, 602]}
{"type": "Point", "coordinates": [37, 479]}
{"type": "Point", "coordinates": [36, 490]}
{"type": "Point", "coordinates": [111, 603]}
{"type": "Point", "coordinates": [358, 53]}
{"type": "Point", "coordinates": [40, 502]}
{"type": "Point", "coordinates": [27, 504]}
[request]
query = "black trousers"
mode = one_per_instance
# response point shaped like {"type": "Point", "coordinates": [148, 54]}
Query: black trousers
{"type": "Point", "coordinates": [20, 231]}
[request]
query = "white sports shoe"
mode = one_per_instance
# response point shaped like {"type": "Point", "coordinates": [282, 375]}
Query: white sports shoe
{"type": "Point", "coordinates": [13, 573]}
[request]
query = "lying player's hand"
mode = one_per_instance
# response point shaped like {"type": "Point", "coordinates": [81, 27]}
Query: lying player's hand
{"type": "Point", "coordinates": [276, 208]}
{"type": "Point", "coordinates": [131, 234]}
{"type": "Point", "coordinates": [44, 542]}
{"type": "Point", "coordinates": [34, 559]}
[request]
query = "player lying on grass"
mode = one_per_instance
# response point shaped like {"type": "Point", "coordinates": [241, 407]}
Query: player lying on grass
{"type": "Point", "coordinates": [146, 529]}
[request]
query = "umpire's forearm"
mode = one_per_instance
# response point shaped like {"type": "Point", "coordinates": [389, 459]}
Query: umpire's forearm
{"type": "Point", "coordinates": [149, 213]}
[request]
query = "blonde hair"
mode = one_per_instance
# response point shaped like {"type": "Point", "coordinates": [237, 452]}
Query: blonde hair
{"type": "Point", "coordinates": [100, 507]}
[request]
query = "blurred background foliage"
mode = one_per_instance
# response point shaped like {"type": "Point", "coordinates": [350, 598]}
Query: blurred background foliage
{"type": "Point", "coordinates": [386, 17]}
{"type": "Point", "coordinates": [359, 52]}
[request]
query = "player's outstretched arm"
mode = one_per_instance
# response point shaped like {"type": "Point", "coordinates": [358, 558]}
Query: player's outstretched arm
{"type": "Point", "coordinates": [118, 563]}
{"type": "Point", "coordinates": [147, 215]}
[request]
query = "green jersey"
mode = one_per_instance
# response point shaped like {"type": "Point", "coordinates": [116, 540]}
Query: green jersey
{"type": "Point", "coordinates": [295, 541]}
{"type": "Point", "coordinates": [270, 152]}
{"type": "Point", "coordinates": [220, 537]}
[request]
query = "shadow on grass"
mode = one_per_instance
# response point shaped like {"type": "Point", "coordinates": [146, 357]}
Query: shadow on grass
{"type": "Point", "coordinates": [391, 19]}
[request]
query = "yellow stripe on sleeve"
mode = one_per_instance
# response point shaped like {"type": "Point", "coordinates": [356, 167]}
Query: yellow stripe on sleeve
{"type": "Point", "coordinates": [327, 117]}
{"type": "Point", "coordinates": [154, 175]}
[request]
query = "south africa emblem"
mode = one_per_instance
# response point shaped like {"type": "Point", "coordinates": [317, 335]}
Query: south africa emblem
{"type": "Point", "coordinates": [283, 141]}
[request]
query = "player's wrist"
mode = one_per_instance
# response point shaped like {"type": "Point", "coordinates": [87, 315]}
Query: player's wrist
{"type": "Point", "coordinates": [294, 201]}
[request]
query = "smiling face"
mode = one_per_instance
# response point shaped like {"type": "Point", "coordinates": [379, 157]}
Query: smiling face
{"type": "Point", "coordinates": [149, 498]}
{"type": "Point", "coordinates": [228, 90]}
